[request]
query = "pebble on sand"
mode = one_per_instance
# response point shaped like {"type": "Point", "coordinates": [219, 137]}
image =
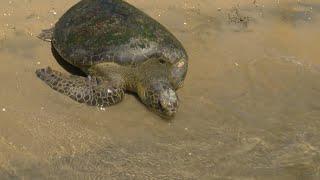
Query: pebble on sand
{"type": "Point", "coordinates": [53, 11]}
{"type": "Point", "coordinates": [3, 109]}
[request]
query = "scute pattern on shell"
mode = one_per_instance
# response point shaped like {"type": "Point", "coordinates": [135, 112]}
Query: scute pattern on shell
{"type": "Point", "coordinates": [95, 31]}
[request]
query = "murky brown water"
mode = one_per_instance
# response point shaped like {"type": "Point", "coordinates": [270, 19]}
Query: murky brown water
{"type": "Point", "coordinates": [250, 106]}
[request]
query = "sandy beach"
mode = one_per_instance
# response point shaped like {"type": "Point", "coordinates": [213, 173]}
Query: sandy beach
{"type": "Point", "coordinates": [250, 105]}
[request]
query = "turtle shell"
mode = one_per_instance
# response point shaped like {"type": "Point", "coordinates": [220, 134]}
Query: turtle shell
{"type": "Point", "coordinates": [95, 31]}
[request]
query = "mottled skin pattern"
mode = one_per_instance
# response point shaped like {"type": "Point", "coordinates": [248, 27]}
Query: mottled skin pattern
{"type": "Point", "coordinates": [120, 48]}
{"type": "Point", "coordinates": [88, 90]}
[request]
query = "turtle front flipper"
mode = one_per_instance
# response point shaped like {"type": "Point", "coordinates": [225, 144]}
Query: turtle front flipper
{"type": "Point", "coordinates": [46, 35]}
{"type": "Point", "coordinates": [90, 90]}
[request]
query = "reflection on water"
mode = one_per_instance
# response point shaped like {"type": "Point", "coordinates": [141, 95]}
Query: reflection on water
{"type": "Point", "coordinates": [250, 105]}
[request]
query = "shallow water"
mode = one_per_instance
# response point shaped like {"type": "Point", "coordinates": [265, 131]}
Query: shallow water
{"type": "Point", "coordinates": [249, 109]}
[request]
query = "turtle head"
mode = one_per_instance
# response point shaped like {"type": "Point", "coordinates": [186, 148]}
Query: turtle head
{"type": "Point", "coordinates": [161, 98]}
{"type": "Point", "coordinates": [168, 103]}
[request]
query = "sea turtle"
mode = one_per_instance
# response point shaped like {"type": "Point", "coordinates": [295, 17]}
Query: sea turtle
{"type": "Point", "coordinates": [119, 48]}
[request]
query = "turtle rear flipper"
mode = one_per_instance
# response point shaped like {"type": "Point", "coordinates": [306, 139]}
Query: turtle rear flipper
{"type": "Point", "coordinates": [90, 90]}
{"type": "Point", "coordinates": [46, 34]}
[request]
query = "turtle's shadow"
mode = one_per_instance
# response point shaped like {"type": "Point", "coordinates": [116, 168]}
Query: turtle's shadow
{"type": "Point", "coordinates": [65, 65]}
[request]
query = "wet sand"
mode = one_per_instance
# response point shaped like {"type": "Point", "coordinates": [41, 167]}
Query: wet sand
{"type": "Point", "coordinates": [249, 109]}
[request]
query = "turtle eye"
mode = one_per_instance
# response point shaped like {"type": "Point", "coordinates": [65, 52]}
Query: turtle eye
{"type": "Point", "coordinates": [162, 61]}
